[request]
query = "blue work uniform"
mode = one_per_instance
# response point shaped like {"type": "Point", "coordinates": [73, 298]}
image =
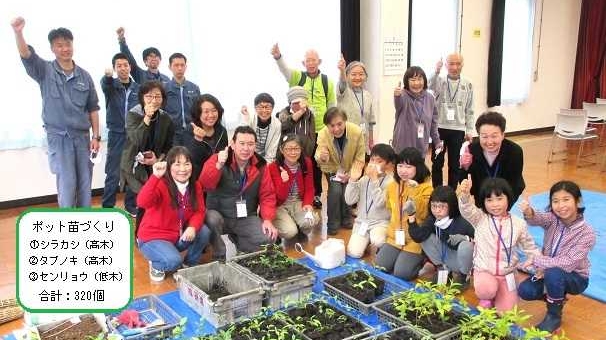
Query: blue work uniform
{"type": "Point", "coordinates": [67, 102]}
{"type": "Point", "coordinates": [140, 75]}
{"type": "Point", "coordinates": [179, 99]}
{"type": "Point", "coordinates": [119, 99]}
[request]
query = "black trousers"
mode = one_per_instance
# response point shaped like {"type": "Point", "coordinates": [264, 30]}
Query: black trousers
{"type": "Point", "coordinates": [453, 139]}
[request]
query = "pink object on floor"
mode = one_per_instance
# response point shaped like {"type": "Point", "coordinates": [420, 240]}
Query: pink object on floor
{"type": "Point", "coordinates": [485, 303]}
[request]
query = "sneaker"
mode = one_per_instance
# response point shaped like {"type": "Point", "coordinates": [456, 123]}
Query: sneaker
{"type": "Point", "coordinates": [332, 232]}
{"type": "Point", "coordinates": [132, 213]}
{"type": "Point", "coordinates": [461, 279]}
{"type": "Point", "coordinates": [485, 304]}
{"type": "Point", "coordinates": [317, 202]}
{"type": "Point", "coordinates": [428, 268]}
{"type": "Point", "coordinates": [154, 274]}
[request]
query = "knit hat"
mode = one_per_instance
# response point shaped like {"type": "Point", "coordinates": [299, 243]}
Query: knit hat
{"type": "Point", "coordinates": [264, 98]}
{"type": "Point", "coordinates": [296, 92]}
{"type": "Point", "coordinates": [150, 50]}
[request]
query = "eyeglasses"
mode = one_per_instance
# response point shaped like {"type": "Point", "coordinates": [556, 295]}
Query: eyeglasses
{"type": "Point", "coordinates": [152, 97]}
{"type": "Point", "coordinates": [291, 150]}
{"type": "Point", "coordinates": [264, 107]}
{"type": "Point", "coordinates": [440, 205]}
{"type": "Point", "coordinates": [208, 111]}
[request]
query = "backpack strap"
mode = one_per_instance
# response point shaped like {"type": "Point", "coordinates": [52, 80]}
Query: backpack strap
{"type": "Point", "coordinates": [303, 79]}
{"type": "Point", "coordinates": [324, 84]}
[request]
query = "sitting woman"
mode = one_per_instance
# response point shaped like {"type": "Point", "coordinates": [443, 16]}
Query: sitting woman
{"type": "Point", "coordinates": [446, 238]}
{"type": "Point", "coordinates": [408, 200]}
{"type": "Point", "coordinates": [292, 177]}
{"type": "Point", "coordinates": [174, 216]}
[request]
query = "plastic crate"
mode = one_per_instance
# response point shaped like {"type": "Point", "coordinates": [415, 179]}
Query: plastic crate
{"type": "Point", "coordinates": [278, 293]}
{"type": "Point", "coordinates": [151, 310]}
{"type": "Point", "coordinates": [364, 308]}
{"type": "Point", "coordinates": [246, 298]}
{"type": "Point", "coordinates": [391, 332]}
{"type": "Point", "coordinates": [385, 317]}
{"type": "Point", "coordinates": [35, 331]}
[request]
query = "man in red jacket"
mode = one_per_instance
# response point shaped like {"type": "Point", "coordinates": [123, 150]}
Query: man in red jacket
{"type": "Point", "coordinates": [238, 186]}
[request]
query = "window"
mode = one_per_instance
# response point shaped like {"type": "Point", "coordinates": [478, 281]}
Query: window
{"type": "Point", "coordinates": [517, 51]}
{"type": "Point", "coordinates": [433, 32]}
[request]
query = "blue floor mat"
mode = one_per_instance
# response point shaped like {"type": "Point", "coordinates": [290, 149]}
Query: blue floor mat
{"type": "Point", "coordinates": [595, 206]}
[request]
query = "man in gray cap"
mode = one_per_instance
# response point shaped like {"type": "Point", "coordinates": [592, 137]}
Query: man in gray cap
{"type": "Point", "coordinates": [297, 118]}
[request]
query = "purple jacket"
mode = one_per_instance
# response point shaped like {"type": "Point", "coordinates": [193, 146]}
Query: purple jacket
{"type": "Point", "coordinates": [410, 110]}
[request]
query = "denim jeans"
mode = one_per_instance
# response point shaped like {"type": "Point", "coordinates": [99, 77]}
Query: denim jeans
{"type": "Point", "coordinates": [115, 146]}
{"type": "Point", "coordinates": [556, 282]}
{"type": "Point", "coordinates": [165, 256]}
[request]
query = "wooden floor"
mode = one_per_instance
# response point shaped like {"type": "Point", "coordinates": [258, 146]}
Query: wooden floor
{"type": "Point", "coordinates": [583, 317]}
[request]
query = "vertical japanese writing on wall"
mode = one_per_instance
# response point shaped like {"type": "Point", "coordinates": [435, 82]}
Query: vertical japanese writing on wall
{"type": "Point", "coordinates": [73, 260]}
{"type": "Point", "coordinates": [394, 56]}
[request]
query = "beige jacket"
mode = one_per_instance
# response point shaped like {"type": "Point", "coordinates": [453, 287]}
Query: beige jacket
{"type": "Point", "coordinates": [354, 149]}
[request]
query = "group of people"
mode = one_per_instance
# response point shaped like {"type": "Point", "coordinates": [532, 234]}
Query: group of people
{"type": "Point", "coordinates": [190, 186]}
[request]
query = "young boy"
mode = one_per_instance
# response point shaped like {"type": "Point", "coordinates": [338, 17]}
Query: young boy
{"type": "Point", "coordinates": [369, 192]}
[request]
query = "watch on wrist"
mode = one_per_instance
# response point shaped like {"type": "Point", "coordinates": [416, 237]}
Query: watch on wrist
{"type": "Point", "coordinates": [98, 138]}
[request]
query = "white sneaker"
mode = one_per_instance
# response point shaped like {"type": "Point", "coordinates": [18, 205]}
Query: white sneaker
{"type": "Point", "coordinates": [154, 274]}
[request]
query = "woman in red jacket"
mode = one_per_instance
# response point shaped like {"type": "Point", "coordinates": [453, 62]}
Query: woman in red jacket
{"type": "Point", "coordinates": [292, 176]}
{"type": "Point", "coordinates": [174, 215]}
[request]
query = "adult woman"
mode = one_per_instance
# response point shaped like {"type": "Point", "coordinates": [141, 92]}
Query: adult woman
{"type": "Point", "coordinates": [174, 215]}
{"type": "Point", "coordinates": [210, 136]}
{"type": "Point", "coordinates": [149, 132]}
{"type": "Point", "coordinates": [416, 114]}
{"type": "Point", "coordinates": [354, 99]}
{"type": "Point", "coordinates": [408, 200]}
{"type": "Point", "coordinates": [292, 176]}
{"type": "Point", "coordinates": [493, 156]}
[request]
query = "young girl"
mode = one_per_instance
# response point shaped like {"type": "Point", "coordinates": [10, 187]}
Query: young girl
{"type": "Point", "coordinates": [563, 268]}
{"type": "Point", "coordinates": [292, 176]}
{"type": "Point", "coordinates": [497, 233]}
{"type": "Point", "coordinates": [174, 216]}
{"type": "Point", "coordinates": [369, 193]}
{"type": "Point", "coordinates": [407, 198]}
{"type": "Point", "coordinates": [446, 237]}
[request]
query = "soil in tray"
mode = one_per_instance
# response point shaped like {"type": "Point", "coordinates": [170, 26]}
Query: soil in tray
{"type": "Point", "coordinates": [217, 291]}
{"type": "Point", "coordinates": [273, 265]}
{"type": "Point", "coordinates": [401, 334]}
{"type": "Point", "coordinates": [66, 330]}
{"type": "Point", "coordinates": [360, 285]}
{"type": "Point", "coordinates": [256, 328]}
{"type": "Point", "coordinates": [432, 323]}
{"type": "Point", "coordinates": [322, 322]}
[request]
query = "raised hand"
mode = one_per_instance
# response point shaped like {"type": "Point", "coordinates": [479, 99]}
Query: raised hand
{"type": "Point", "coordinates": [525, 206]}
{"type": "Point", "coordinates": [284, 175]}
{"type": "Point", "coordinates": [120, 33]}
{"type": "Point", "coordinates": [439, 66]}
{"type": "Point", "coordinates": [356, 172]}
{"type": "Point", "coordinates": [18, 23]}
{"type": "Point", "coordinates": [341, 64]}
{"type": "Point", "coordinates": [412, 183]}
{"type": "Point", "coordinates": [222, 157]}
{"type": "Point", "coordinates": [465, 186]}
{"type": "Point", "coordinates": [398, 90]}
{"type": "Point", "coordinates": [109, 72]}
{"type": "Point", "coordinates": [159, 169]}
{"type": "Point", "coordinates": [244, 111]}
{"type": "Point", "coordinates": [275, 51]}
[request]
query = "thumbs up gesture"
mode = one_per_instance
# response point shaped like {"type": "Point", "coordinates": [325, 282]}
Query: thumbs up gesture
{"type": "Point", "coordinates": [465, 186]}
{"type": "Point", "coordinates": [324, 154]}
{"type": "Point", "coordinates": [341, 64]}
{"type": "Point", "coordinates": [398, 90]}
{"type": "Point", "coordinates": [284, 175]}
{"type": "Point", "coordinates": [439, 65]}
{"type": "Point", "coordinates": [222, 157]}
{"type": "Point", "coordinates": [525, 206]}
{"type": "Point", "coordinates": [275, 51]}
{"type": "Point", "coordinates": [159, 169]}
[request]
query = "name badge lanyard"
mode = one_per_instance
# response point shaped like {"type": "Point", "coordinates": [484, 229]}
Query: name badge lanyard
{"type": "Point", "coordinates": [418, 111]}
{"type": "Point", "coordinates": [498, 230]}
{"type": "Point", "coordinates": [182, 203]}
{"type": "Point", "coordinates": [443, 249]}
{"type": "Point", "coordinates": [496, 170]}
{"type": "Point", "coordinates": [368, 206]}
{"type": "Point", "coordinates": [243, 177]}
{"type": "Point", "coordinates": [360, 102]}
{"type": "Point", "coordinates": [452, 98]}
{"type": "Point", "coordinates": [400, 202]}
{"type": "Point", "coordinates": [554, 250]}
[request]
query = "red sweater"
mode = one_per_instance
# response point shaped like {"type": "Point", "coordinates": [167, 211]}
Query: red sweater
{"type": "Point", "coordinates": [304, 184]}
{"type": "Point", "coordinates": [161, 220]}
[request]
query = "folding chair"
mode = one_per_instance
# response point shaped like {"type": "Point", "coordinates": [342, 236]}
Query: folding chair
{"type": "Point", "coordinates": [571, 125]}
{"type": "Point", "coordinates": [600, 101]}
{"type": "Point", "coordinates": [596, 115]}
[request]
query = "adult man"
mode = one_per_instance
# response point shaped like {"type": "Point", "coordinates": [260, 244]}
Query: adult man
{"type": "Point", "coordinates": [151, 58]}
{"type": "Point", "coordinates": [454, 99]}
{"type": "Point", "coordinates": [70, 108]}
{"type": "Point", "coordinates": [121, 94]}
{"type": "Point", "coordinates": [180, 94]}
{"type": "Point", "coordinates": [341, 147]}
{"type": "Point", "coordinates": [238, 186]}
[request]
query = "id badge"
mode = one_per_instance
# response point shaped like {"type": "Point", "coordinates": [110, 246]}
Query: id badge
{"type": "Point", "coordinates": [335, 178]}
{"type": "Point", "coordinates": [511, 282]}
{"type": "Point", "coordinates": [241, 209]}
{"type": "Point", "coordinates": [450, 111]}
{"type": "Point", "coordinates": [400, 237]}
{"type": "Point", "coordinates": [442, 276]}
{"type": "Point", "coordinates": [420, 130]}
{"type": "Point", "coordinates": [363, 229]}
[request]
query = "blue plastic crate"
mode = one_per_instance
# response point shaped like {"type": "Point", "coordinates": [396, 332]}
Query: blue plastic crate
{"type": "Point", "coordinates": [150, 309]}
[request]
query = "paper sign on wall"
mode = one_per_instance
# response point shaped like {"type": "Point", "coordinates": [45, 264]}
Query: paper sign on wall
{"type": "Point", "coordinates": [394, 56]}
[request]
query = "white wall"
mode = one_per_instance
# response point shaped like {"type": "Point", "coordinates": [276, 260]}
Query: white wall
{"type": "Point", "coordinates": [551, 90]}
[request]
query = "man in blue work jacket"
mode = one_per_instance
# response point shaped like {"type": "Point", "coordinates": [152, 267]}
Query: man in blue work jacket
{"type": "Point", "coordinates": [70, 108]}
{"type": "Point", "coordinates": [121, 95]}
{"type": "Point", "coordinates": [180, 94]}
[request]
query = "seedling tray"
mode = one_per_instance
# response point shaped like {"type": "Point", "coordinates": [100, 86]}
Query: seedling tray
{"type": "Point", "coordinates": [151, 310]}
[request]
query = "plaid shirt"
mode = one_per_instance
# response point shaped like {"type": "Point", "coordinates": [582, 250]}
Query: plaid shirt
{"type": "Point", "coordinates": [571, 243]}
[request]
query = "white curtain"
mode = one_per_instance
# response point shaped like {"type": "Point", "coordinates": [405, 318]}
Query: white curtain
{"type": "Point", "coordinates": [227, 44]}
{"type": "Point", "coordinates": [517, 51]}
{"type": "Point", "coordinates": [433, 33]}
